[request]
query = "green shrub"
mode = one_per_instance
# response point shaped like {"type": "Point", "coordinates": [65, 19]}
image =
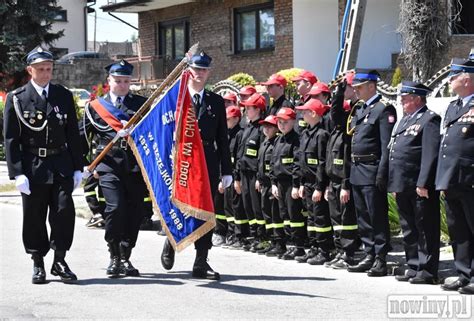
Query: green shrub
{"type": "Point", "coordinates": [243, 79]}
{"type": "Point", "coordinates": [397, 77]}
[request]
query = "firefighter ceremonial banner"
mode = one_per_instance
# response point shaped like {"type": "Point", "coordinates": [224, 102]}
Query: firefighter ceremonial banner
{"type": "Point", "coordinates": [181, 174]}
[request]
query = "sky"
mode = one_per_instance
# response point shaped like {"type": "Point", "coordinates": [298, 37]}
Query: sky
{"type": "Point", "coordinates": [109, 28]}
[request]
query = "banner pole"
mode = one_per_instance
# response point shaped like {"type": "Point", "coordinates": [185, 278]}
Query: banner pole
{"type": "Point", "coordinates": [147, 104]}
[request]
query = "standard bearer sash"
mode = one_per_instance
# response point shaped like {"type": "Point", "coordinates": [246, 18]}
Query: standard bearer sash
{"type": "Point", "coordinates": [109, 113]}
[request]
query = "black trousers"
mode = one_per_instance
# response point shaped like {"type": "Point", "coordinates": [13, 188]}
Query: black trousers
{"type": "Point", "coordinates": [371, 206]}
{"type": "Point", "coordinates": [344, 220]}
{"type": "Point", "coordinates": [270, 210]}
{"type": "Point", "coordinates": [221, 219]}
{"type": "Point", "coordinates": [147, 206]}
{"type": "Point", "coordinates": [460, 214]}
{"type": "Point", "coordinates": [291, 210]}
{"type": "Point", "coordinates": [420, 222]}
{"type": "Point", "coordinates": [93, 197]}
{"type": "Point", "coordinates": [319, 227]}
{"type": "Point", "coordinates": [123, 213]}
{"type": "Point", "coordinates": [52, 201]}
{"type": "Point", "coordinates": [252, 204]}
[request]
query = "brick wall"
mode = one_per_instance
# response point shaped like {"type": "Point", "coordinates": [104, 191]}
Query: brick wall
{"type": "Point", "coordinates": [211, 23]}
{"type": "Point", "coordinates": [83, 73]}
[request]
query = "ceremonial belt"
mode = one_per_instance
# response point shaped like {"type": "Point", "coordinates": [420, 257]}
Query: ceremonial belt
{"type": "Point", "coordinates": [364, 158]}
{"type": "Point", "coordinates": [122, 144]}
{"type": "Point", "coordinates": [45, 152]}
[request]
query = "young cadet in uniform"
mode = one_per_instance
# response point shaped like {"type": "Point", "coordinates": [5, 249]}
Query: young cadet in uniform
{"type": "Point", "coordinates": [455, 172]}
{"type": "Point", "coordinates": [274, 225]}
{"type": "Point", "coordinates": [285, 178]}
{"type": "Point", "coordinates": [230, 99]}
{"type": "Point", "coordinates": [246, 92]}
{"type": "Point", "coordinates": [44, 157]}
{"type": "Point", "coordinates": [233, 205]}
{"type": "Point", "coordinates": [412, 170]}
{"type": "Point", "coordinates": [119, 175]}
{"type": "Point", "coordinates": [371, 126]}
{"type": "Point", "coordinates": [320, 91]}
{"type": "Point", "coordinates": [247, 166]}
{"type": "Point", "coordinates": [276, 89]}
{"type": "Point", "coordinates": [303, 81]}
{"type": "Point", "coordinates": [338, 166]}
{"type": "Point", "coordinates": [314, 181]}
{"type": "Point", "coordinates": [211, 116]}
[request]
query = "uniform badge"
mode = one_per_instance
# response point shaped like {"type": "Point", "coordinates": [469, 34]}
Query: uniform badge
{"type": "Point", "coordinates": [464, 130]}
{"type": "Point", "coordinates": [32, 120]}
{"type": "Point", "coordinates": [39, 116]}
{"type": "Point", "coordinates": [26, 114]}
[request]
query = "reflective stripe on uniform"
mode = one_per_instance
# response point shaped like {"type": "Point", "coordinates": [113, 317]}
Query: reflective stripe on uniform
{"type": "Point", "coordinates": [287, 223]}
{"type": "Point", "coordinates": [89, 193]}
{"type": "Point", "coordinates": [287, 160]}
{"type": "Point", "coordinates": [251, 152]}
{"type": "Point", "coordinates": [230, 219]}
{"type": "Point", "coordinates": [312, 161]}
{"type": "Point", "coordinates": [269, 226]}
{"type": "Point", "coordinates": [323, 229]}
{"type": "Point", "coordinates": [302, 123]}
{"type": "Point", "coordinates": [338, 161]}
{"type": "Point", "coordinates": [221, 217]}
{"type": "Point", "coordinates": [252, 222]}
{"type": "Point", "coordinates": [240, 222]}
{"type": "Point", "coordinates": [261, 222]}
{"type": "Point", "coordinates": [345, 227]}
{"type": "Point", "coordinates": [101, 199]}
{"type": "Point", "coordinates": [305, 213]}
{"type": "Point", "coordinates": [278, 225]}
{"type": "Point", "coordinates": [147, 199]}
{"type": "Point", "coordinates": [267, 167]}
{"type": "Point", "coordinates": [297, 224]}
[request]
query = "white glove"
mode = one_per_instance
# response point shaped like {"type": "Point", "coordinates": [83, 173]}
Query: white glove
{"type": "Point", "coordinates": [226, 180]}
{"type": "Point", "coordinates": [77, 179]}
{"type": "Point", "coordinates": [275, 191]}
{"type": "Point", "coordinates": [124, 132]}
{"type": "Point", "coordinates": [86, 173]}
{"type": "Point", "coordinates": [22, 184]}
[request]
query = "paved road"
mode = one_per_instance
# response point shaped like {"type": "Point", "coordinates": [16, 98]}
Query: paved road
{"type": "Point", "coordinates": [252, 287]}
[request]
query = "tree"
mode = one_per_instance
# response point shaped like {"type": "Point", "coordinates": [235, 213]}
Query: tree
{"type": "Point", "coordinates": [424, 27]}
{"type": "Point", "coordinates": [24, 24]}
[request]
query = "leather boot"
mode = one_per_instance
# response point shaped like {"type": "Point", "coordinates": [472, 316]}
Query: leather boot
{"type": "Point", "coordinates": [201, 268]}
{"type": "Point", "coordinates": [61, 269]}
{"type": "Point", "coordinates": [167, 255]}
{"type": "Point", "coordinates": [362, 266]}
{"type": "Point", "coordinates": [115, 267]}
{"type": "Point", "coordinates": [129, 269]}
{"type": "Point", "coordinates": [39, 274]}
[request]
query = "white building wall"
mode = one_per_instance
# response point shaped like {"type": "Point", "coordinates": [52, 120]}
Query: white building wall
{"type": "Point", "coordinates": [315, 36]}
{"type": "Point", "coordinates": [74, 28]}
{"type": "Point", "coordinates": [379, 38]}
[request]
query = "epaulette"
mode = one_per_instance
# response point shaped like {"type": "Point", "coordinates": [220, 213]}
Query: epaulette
{"type": "Point", "coordinates": [18, 90]}
{"type": "Point", "coordinates": [384, 101]}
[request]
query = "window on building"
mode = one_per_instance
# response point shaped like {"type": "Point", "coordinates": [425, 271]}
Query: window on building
{"type": "Point", "coordinates": [254, 28]}
{"type": "Point", "coordinates": [463, 22]}
{"type": "Point", "coordinates": [60, 15]}
{"type": "Point", "coordinates": [173, 38]}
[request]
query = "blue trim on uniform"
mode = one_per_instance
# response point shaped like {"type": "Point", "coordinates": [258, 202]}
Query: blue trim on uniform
{"type": "Point", "coordinates": [365, 77]}
{"type": "Point", "coordinates": [414, 91]}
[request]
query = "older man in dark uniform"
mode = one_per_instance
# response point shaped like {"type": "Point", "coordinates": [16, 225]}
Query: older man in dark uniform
{"type": "Point", "coordinates": [412, 170]}
{"type": "Point", "coordinates": [211, 114]}
{"type": "Point", "coordinates": [455, 173]}
{"type": "Point", "coordinates": [119, 175]}
{"type": "Point", "coordinates": [44, 157]}
{"type": "Point", "coordinates": [371, 126]}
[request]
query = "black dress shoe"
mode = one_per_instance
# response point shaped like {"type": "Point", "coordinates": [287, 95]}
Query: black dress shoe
{"type": "Point", "coordinates": [61, 269]}
{"type": "Point", "coordinates": [167, 256]}
{"type": "Point", "coordinates": [205, 272]}
{"type": "Point", "coordinates": [454, 286]}
{"type": "Point", "coordinates": [126, 265]}
{"type": "Point", "coordinates": [363, 265]}
{"type": "Point", "coordinates": [379, 268]}
{"type": "Point", "coordinates": [298, 251]}
{"type": "Point", "coordinates": [423, 280]}
{"type": "Point", "coordinates": [39, 275]}
{"type": "Point", "coordinates": [403, 278]}
{"type": "Point", "coordinates": [467, 289]}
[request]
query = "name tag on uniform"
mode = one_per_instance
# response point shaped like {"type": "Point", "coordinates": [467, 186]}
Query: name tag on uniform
{"type": "Point", "coordinates": [312, 161]}
{"type": "Point", "coordinates": [251, 152]}
{"type": "Point", "coordinates": [337, 161]}
{"type": "Point", "coordinates": [288, 160]}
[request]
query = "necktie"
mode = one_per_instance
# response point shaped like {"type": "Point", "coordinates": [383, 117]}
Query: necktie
{"type": "Point", "coordinates": [118, 102]}
{"type": "Point", "coordinates": [459, 105]}
{"type": "Point", "coordinates": [197, 103]}
{"type": "Point", "coordinates": [44, 95]}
